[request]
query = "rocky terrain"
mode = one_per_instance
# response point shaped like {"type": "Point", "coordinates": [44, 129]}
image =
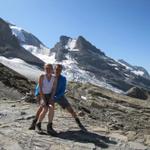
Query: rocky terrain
{"type": "Point", "coordinates": [14, 80]}
{"type": "Point", "coordinates": [113, 121]}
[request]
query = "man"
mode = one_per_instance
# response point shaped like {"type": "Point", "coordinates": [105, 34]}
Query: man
{"type": "Point", "coordinates": [60, 94]}
{"type": "Point", "coordinates": [59, 97]}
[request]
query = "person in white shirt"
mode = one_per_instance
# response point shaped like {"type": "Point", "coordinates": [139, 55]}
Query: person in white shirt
{"type": "Point", "coordinates": [45, 83]}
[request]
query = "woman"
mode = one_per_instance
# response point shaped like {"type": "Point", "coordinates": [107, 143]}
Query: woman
{"type": "Point", "coordinates": [46, 82]}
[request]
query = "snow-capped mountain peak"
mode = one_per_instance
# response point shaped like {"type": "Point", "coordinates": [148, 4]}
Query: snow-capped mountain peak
{"type": "Point", "coordinates": [137, 70]}
{"type": "Point", "coordinates": [29, 41]}
{"type": "Point", "coordinates": [71, 45]}
{"type": "Point", "coordinates": [17, 31]}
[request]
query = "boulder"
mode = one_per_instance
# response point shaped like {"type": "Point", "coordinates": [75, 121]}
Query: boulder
{"type": "Point", "coordinates": [136, 92]}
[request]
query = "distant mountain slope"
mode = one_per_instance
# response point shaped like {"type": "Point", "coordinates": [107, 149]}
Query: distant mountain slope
{"type": "Point", "coordinates": [29, 41]}
{"type": "Point", "coordinates": [10, 46]}
{"type": "Point", "coordinates": [137, 70]}
{"type": "Point", "coordinates": [93, 60]}
{"type": "Point", "coordinates": [31, 72]}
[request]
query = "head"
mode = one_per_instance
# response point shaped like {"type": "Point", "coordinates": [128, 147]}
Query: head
{"type": "Point", "coordinates": [48, 68]}
{"type": "Point", "coordinates": [58, 69]}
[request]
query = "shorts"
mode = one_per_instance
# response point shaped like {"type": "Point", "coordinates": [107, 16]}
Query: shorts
{"type": "Point", "coordinates": [63, 102]}
{"type": "Point", "coordinates": [46, 100]}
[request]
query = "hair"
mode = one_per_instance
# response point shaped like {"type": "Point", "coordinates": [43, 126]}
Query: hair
{"type": "Point", "coordinates": [48, 65]}
{"type": "Point", "coordinates": [59, 65]}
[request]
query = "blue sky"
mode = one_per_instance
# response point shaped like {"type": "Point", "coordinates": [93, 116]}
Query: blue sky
{"type": "Point", "coordinates": [120, 28]}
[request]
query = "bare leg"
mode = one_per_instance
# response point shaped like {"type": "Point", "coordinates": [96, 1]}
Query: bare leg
{"type": "Point", "coordinates": [42, 114]}
{"type": "Point", "coordinates": [50, 129]}
{"type": "Point", "coordinates": [51, 113]}
{"type": "Point", "coordinates": [71, 111]}
{"type": "Point", "coordinates": [38, 111]}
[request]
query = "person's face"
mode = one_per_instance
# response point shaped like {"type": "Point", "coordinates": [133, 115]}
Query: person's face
{"type": "Point", "coordinates": [48, 69]}
{"type": "Point", "coordinates": [58, 70]}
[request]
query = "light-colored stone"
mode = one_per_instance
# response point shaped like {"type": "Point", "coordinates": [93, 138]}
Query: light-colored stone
{"type": "Point", "coordinates": [131, 135]}
{"type": "Point", "coordinates": [100, 129]}
{"type": "Point", "coordinates": [118, 136]}
{"type": "Point", "coordinates": [137, 146]}
{"type": "Point", "coordinates": [9, 144]}
{"type": "Point", "coordinates": [59, 147]}
{"type": "Point", "coordinates": [81, 146]}
{"type": "Point", "coordinates": [13, 146]}
{"type": "Point", "coordinates": [147, 139]}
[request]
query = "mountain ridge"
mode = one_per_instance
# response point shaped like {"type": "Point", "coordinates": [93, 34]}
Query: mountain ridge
{"type": "Point", "coordinates": [85, 63]}
{"type": "Point", "coordinates": [91, 59]}
{"type": "Point", "coordinates": [10, 46]}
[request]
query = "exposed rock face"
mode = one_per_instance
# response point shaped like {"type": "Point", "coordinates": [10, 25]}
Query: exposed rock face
{"type": "Point", "coordinates": [31, 39]}
{"type": "Point", "coordinates": [25, 37]}
{"type": "Point", "coordinates": [14, 80]}
{"type": "Point", "coordinates": [137, 93]}
{"type": "Point", "coordinates": [10, 46]}
{"type": "Point", "coordinates": [93, 60]}
{"type": "Point", "coordinates": [146, 74]}
{"type": "Point", "coordinates": [60, 49]}
{"type": "Point", "coordinates": [64, 39]}
{"type": "Point", "coordinates": [83, 45]}
{"type": "Point", "coordinates": [136, 69]}
{"type": "Point", "coordinates": [6, 38]}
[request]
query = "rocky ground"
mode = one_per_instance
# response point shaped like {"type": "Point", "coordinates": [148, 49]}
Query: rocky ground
{"type": "Point", "coordinates": [113, 122]}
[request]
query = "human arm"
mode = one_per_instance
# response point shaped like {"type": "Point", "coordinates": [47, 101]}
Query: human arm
{"type": "Point", "coordinates": [40, 86]}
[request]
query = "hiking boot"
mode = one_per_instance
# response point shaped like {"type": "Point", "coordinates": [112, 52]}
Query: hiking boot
{"type": "Point", "coordinates": [38, 126]}
{"type": "Point", "coordinates": [32, 127]}
{"type": "Point", "coordinates": [80, 124]}
{"type": "Point", "coordinates": [50, 130]}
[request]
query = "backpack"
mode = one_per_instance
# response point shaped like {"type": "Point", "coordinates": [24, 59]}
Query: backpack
{"type": "Point", "coordinates": [36, 92]}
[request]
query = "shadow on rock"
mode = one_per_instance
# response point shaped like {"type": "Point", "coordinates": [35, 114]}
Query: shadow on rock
{"type": "Point", "coordinates": [87, 137]}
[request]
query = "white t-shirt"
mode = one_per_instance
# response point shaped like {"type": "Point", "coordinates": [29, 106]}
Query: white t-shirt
{"type": "Point", "coordinates": [47, 85]}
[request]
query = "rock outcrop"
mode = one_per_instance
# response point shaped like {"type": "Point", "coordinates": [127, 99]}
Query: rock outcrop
{"type": "Point", "coordinates": [111, 123]}
{"type": "Point", "coordinates": [14, 80]}
{"type": "Point", "coordinates": [137, 93]}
